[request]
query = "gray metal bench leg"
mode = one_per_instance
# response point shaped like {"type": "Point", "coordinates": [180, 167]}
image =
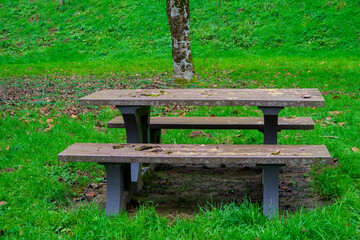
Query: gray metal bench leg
{"type": "Point", "coordinates": [271, 189]}
{"type": "Point", "coordinates": [136, 120]}
{"type": "Point", "coordinates": [270, 123]}
{"type": "Point", "coordinates": [155, 137]}
{"type": "Point", "coordinates": [118, 189]}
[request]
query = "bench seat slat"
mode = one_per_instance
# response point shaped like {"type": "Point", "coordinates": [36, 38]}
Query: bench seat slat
{"type": "Point", "coordinates": [219, 123]}
{"type": "Point", "coordinates": [291, 155]}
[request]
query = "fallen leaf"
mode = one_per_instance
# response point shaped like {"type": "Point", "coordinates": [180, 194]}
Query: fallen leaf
{"type": "Point", "coordinates": [49, 127]}
{"type": "Point", "coordinates": [306, 95]}
{"type": "Point", "coordinates": [335, 112]}
{"type": "Point", "coordinates": [355, 149]}
{"type": "Point", "coordinates": [49, 120]}
{"type": "Point", "coordinates": [74, 116]}
{"type": "Point", "coordinates": [91, 194]}
{"type": "Point", "coordinates": [341, 124]}
{"type": "Point", "coordinates": [277, 152]}
{"type": "Point", "coordinates": [8, 148]}
{"type": "Point", "coordinates": [3, 203]}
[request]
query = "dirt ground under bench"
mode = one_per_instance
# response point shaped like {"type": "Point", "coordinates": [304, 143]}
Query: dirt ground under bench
{"type": "Point", "coordinates": [181, 189]}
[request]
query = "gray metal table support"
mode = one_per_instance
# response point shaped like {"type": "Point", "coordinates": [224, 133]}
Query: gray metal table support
{"type": "Point", "coordinates": [118, 187]}
{"type": "Point", "coordinates": [136, 120]}
{"type": "Point", "coordinates": [270, 189]}
{"type": "Point", "coordinates": [271, 115]}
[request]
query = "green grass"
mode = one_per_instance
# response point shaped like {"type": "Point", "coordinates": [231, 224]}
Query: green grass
{"type": "Point", "coordinates": [111, 44]}
{"type": "Point", "coordinates": [38, 189]}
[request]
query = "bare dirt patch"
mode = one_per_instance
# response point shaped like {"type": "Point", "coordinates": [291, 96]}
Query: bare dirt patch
{"type": "Point", "coordinates": [182, 189]}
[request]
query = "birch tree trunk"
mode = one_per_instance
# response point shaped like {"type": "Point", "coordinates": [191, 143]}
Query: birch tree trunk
{"type": "Point", "coordinates": [178, 12]}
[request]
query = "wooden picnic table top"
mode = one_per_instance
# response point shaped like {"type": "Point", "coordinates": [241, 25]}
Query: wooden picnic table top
{"type": "Point", "coordinates": [207, 97]}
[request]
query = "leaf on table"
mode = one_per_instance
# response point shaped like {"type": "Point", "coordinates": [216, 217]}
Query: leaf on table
{"type": "Point", "coordinates": [355, 149]}
{"type": "Point", "coordinates": [305, 95]}
{"type": "Point", "coordinates": [277, 152]}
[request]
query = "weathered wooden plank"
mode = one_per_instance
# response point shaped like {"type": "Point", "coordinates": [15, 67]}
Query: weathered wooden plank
{"type": "Point", "coordinates": [198, 154]}
{"type": "Point", "coordinates": [208, 97]}
{"type": "Point", "coordinates": [284, 123]}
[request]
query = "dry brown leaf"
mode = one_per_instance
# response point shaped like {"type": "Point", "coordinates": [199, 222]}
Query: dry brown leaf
{"type": "Point", "coordinates": [74, 116]}
{"type": "Point", "coordinates": [3, 203]}
{"type": "Point", "coordinates": [8, 148]}
{"type": "Point", "coordinates": [355, 149]}
{"type": "Point", "coordinates": [277, 152]}
{"type": "Point", "coordinates": [49, 127]}
{"type": "Point", "coordinates": [91, 194]}
{"type": "Point", "coordinates": [49, 120]}
{"type": "Point", "coordinates": [341, 124]}
{"type": "Point", "coordinates": [335, 112]}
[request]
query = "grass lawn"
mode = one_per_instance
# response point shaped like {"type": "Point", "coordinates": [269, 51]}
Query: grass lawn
{"type": "Point", "coordinates": [40, 116]}
{"type": "Point", "coordinates": [52, 56]}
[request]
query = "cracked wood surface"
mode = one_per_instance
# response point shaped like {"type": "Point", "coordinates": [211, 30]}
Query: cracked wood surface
{"type": "Point", "coordinates": [208, 97]}
{"type": "Point", "coordinates": [218, 123]}
{"type": "Point", "coordinates": [291, 155]}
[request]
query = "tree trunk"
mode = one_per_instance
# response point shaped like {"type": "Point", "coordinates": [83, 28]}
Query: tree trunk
{"type": "Point", "coordinates": [178, 12]}
{"type": "Point", "coordinates": [61, 2]}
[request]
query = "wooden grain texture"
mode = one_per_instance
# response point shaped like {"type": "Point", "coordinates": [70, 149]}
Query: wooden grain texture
{"type": "Point", "coordinates": [207, 97]}
{"type": "Point", "coordinates": [219, 123]}
{"type": "Point", "coordinates": [291, 155]}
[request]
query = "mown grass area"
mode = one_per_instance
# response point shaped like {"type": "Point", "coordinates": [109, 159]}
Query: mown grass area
{"type": "Point", "coordinates": [41, 32]}
{"type": "Point", "coordinates": [51, 56]}
{"type": "Point", "coordinates": [41, 117]}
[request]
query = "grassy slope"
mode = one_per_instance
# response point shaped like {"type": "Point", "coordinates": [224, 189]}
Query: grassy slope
{"type": "Point", "coordinates": [39, 31]}
{"type": "Point", "coordinates": [316, 51]}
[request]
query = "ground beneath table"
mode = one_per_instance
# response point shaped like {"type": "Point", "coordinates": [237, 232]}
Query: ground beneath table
{"type": "Point", "coordinates": [181, 189]}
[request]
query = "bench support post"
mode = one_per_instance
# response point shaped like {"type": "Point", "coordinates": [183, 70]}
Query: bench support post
{"type": "Point", "coordinates": [270, 189]}
{"type": "Point", "coordinates": [136, 120]}
{"type": "Point", "coordinates": [271, 115]}
{"type": "Point", "coordinates": [118, 187]}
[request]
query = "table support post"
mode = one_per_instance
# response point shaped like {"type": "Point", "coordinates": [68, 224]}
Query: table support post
{"type": "Point", "coordinates": [270, 123]}
{"type": "Point", "coordinates": [136, 120]}
{"type": "Point", "coordinates": [270, 189]}
{"type": "Point", "coordinates": [118, 187]}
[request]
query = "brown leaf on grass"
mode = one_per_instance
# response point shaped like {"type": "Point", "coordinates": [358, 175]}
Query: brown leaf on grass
{"type": "Point", "coordinates": [341, 123]}
{"type": "Point", "coordinates": [198, 133]}
{"type": "Point", "coordinates": [3, 203]}
{"type": "Point", "coordinates": [49, 127]}
{"type": "Point", "coordinates": [91, 194]}
{"type": "Point", "coordinates": [355, 149]}
{"type": "Point", "coordinates": [335, 112]}
{"type": "Point", "coordinates": [8, 148]}
{"type": "Point", "coordinates": [74, 116]}
{"type": "Point", "coordinates": [49, 120]}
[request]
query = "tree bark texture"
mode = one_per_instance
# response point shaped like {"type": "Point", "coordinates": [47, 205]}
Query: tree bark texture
{"type": "Point", "coordinates": [178, 12]}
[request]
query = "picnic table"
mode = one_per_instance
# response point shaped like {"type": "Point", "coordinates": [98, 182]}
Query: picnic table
{"type": "Point", "coordinates": [135, 106]}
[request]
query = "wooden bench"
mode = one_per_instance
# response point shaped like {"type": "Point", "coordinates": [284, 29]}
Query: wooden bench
{"type": "Point", "coordinates": [117, 158]}
{"type": "Point", "coordinates": [257, 123]}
